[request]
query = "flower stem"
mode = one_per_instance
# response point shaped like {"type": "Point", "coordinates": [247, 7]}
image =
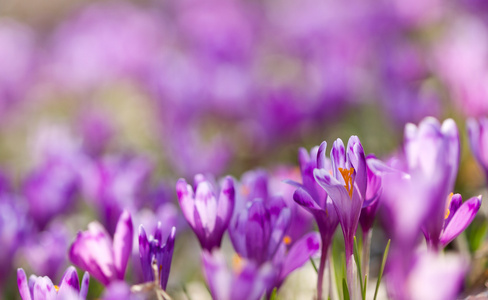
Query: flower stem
{"type": "Point", "coordinates": [320, 280]}
{"type": "Point", "coordinates": [367, 235]}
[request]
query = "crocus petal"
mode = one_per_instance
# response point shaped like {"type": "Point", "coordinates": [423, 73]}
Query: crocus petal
{"type": "Point", "coordinates": [92, 251]}
{"type": "Point", "coordinates": [278, 231]}
{"type": "Point", "coordinates": [167, 257]}
{"type": "Point", "coordinates": [456, 202]}
{"type": "Point", "coordinates": [186, 200]}
{"type": "Point", "coordinates": [217, 275]}
{"type": "Point", "coordinates": [338, 157]}
{"type": "Point", "coordinates": [206, 205]}
{"type": "Point", "coordinates": [44, 289]}
{"type": "Point", "coordinates": [69, 283]}
{"type": "Point", "coordinates": [122, 246]}
{"type": "Point", "coordinates": [144, 255]}
{"type": "Point", "coordinates": [305, 200]}
{"type": "Point", "coordinates": [226, 202]}
{"type": "Point", "coordinates": [84, 285]}
{"type": "Point", "coordinates": [461, 219]}
{"type": "Point", "coordinates": [321, 157]}
{"type": "Point", "coordinates": [358, 160]}
{"type": "Point", "coordinates": [300, 253]}
{"type": "Point", "coordinates": [337, 192]}
{"type": "Point", "coordinates": [24, 291]}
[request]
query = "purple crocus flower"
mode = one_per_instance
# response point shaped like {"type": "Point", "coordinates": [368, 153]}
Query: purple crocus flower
{"type": "Point", "coordinates": [42, 288]}
{"type": "Point", "coordinates": [258, 231]}
{"type": "Point", "coordinates": [311, 196]}
{"type": "Point", "coordinates": [152, 248]}
{"type": "Point", "coordinates": [432, 158]}
{"type": "Point", "coordinates": [458, 217]}
{"type": "Point", "coordinates": [478, 140]}
{"type": "Point", "coordinates": [346, 186]}
{"type": "Point", "coordinates": [94, 250]}
{"type": "Point", "coordinates": [246, 280]}
{"type": "Point", "coordinates": [207, 216]}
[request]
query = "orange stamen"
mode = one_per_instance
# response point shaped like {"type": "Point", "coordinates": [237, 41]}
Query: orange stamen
{"type": "Point", "coordinates": [56, 288]}
{"type": "Point", "coordinates": [347, 175]}
{"type": "Point", "coordinates": [237, 263]}
{"type": "Point", "coordinates": [448, 204]}
{"type": "Point", "coordinates": [287, 240]}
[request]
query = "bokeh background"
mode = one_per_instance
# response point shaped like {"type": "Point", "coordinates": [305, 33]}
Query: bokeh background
{"type": "Point", "coordinates": [105, 104]}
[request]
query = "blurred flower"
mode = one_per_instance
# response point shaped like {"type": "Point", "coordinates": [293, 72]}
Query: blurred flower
{"type": "Point", "coordinates": [94, 250]}
{"type": "Point", "coordinates": [115, 183]}
{"type": "Point", "coordinates": [152, 249]}
{"type": "Point", "coordinates": [478, 140]}
{"type": "Point", "coordinates": [46, 251]}
{"type": "Point", "coordinates": [42, 288]}
{"type": "Point", "coordinates": [432, 156]}
{"type": "Point", "coordinates": [245, 280]}
{"type": "Point", "coordinates": [96, 130]}
{"type": "Point", "coordinates": [207, 216]}
{"type": "Point", "coordinates": [257, 231]}
{"type": "Point", "coordinates": [50, 190]}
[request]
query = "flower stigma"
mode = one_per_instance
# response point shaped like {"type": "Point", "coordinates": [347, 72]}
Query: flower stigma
{"type": "Point", "coordinates": [347, 175]}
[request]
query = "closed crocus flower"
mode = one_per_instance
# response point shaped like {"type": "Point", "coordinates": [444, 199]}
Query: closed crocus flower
{"type": "Point", "coordinates": [207, 216]}
{"type": "Point", "coordinates": [258, 231]}
{"type": "Point", "coordinates": [42, 288]}
{"type": "Point", "coordinates": [478, 140]}
{"type": "Point", "coordinates": [95, 252]}
{"type": "Point", "coordinates": [153, 249]}
{"type": "Point", "coordinates": [432, 158]}
{"type": "Point", "coordinates": [245, 280]}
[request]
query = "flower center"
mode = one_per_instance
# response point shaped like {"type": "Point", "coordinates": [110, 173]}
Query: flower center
{"type": "Point", "coordinates": [347, 175]}
{"type": "Point", "coordinates": [287, 240]}
{"type": "Point", "coordinates": [237, 263]}
{"type": "Point", "coordinates": [448, 204]}
{"type": "Point", "coordinates": [56, 288]}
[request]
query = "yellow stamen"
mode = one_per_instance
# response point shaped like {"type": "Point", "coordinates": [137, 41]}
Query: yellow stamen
{"type": "Point", "coordinates": [347, 175]}
{"type": "Point", "coordinates": [449, 199]}
{"type": "Point", "coordinates": [56, 288]}
{"type": "Point", "coordinates": [237, 263]}
{"type": "Point", "coordinates": [287, 240]}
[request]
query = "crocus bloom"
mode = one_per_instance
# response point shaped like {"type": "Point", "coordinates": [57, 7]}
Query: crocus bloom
{"type": "Point", "coordinates": [478, 140]}
{"type": "Point", "coordinates": [42, 288]}
{"type": "Point", "coordinates": [245, 280]}
{"type": "Point", "coordinates": [95, 252]}
{"type": "Point", "coordinates": [346, 187]}
{"type": "Point", "coordinates": [432, 157]}
{"type": "Point", "coordinates": [314, 199]}
{"type": "Point", "coordinates": [207, 216]}
{"type": "Point", "coordinates": [152, 248]}
{"type": "Point", "coordinates": [258, 231]}
{"type": "Point", "coordinates": [458, 216]}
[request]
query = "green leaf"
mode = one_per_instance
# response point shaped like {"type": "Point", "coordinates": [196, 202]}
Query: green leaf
{"type": "Point", "coordinates": [357, 258]}
{"type": "Point", "coordinates": [476, 233]}
{"type": "Point", "coordinates": [274, 294]}
{"type": "Point", "coordinates": [345, 291]}
{"type": "Point", "coordinates": [364, 287]}
{"type": "Point", "coordinates": [314, 265]}
{"type": "Point", "coordinates": [380, 274]}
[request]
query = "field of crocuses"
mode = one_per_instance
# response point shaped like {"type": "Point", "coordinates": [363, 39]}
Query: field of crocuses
{"type": "Point", "coordinates": [243, 149]}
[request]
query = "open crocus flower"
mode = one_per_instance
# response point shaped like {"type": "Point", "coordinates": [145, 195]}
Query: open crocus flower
{"type": "Point", "coordinates": [478, 140]}
{"type": "Point", "coordinates": [311, 196]}
{"type": "Point", "coordinates": [245, 280]}
{"type": "Point", "coordinates": [432, 158]}
{"type": "Point", "coordinates": [42, 288]}
{"type": "Point", "coordinates": [152, 248]}
{"type": "Point", "coordinates": [95, 252]}
{"type": "Point", "coordinates": [346, 186]}
{"type": "Point", "coordinates": [207, 216]}
{"type": "Point", "coordinates": [458, 216]}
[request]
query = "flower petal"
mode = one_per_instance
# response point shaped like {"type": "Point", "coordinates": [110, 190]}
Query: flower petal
{"type": "Point", "coordinates": [69, 283]}
{"type": "Point", "coordinates": [44, 289]}
{"type": "Point", "coordinates": [226, 203]}
{"type": "Point", "coordinates": [24, 291]}
{"type": "Point", "coordinates": [186, 200]}
{"type": "Point", "coordinates": [122, 246]}
{"type": "Point", "coordinates": [300, 253]}
{"type": "Point", "coordinates": [463, 217]}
